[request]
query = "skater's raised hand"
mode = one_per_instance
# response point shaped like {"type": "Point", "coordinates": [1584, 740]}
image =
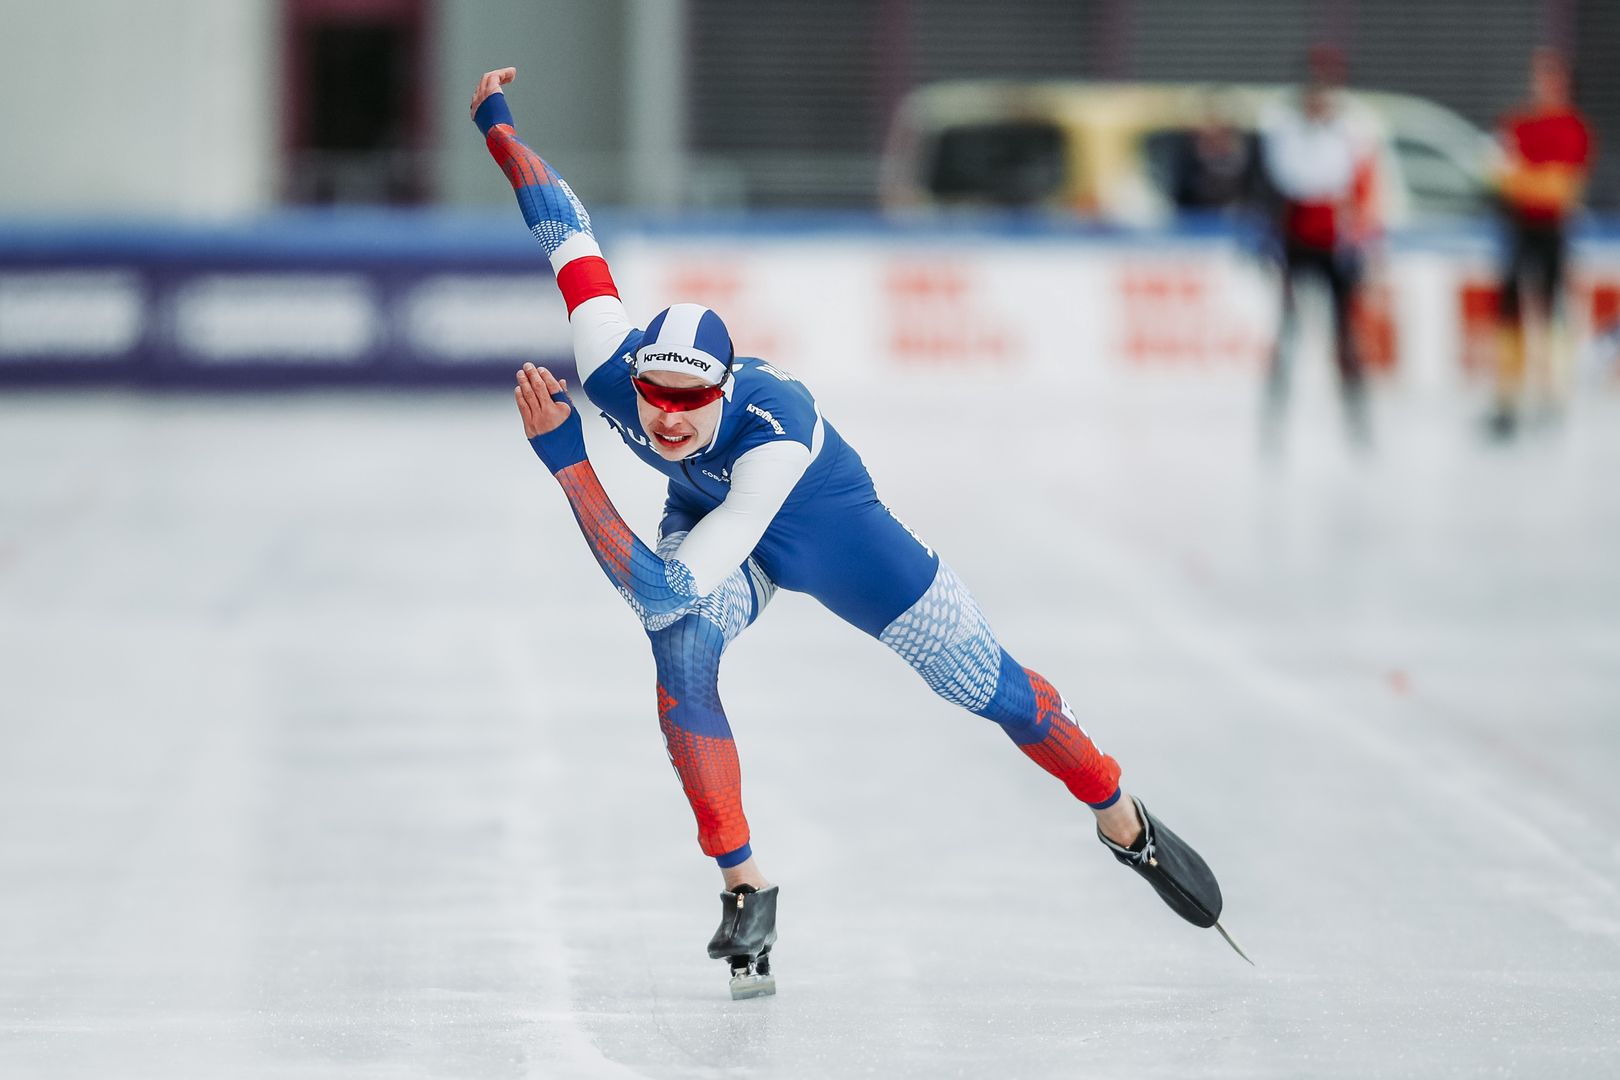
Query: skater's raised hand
{"type": "Point", "coordinates": [542, 399]}
{"type": "Point", "coordinates": [490, 83]}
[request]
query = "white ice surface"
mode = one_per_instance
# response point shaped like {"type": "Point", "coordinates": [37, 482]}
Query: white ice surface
{"type": "Point", "coordinates": [326, 751]}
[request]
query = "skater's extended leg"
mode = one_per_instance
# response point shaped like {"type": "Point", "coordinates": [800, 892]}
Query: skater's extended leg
{"type": "Point", "coordinates": [1279, 368]}
{"type": "Point", "coordinates": [910, 600]}
{"type": "Point", "coordinates": [1343, 280]}
{"type": "Point", "coordinates": [1510, 359]}
{"type": "Point", "coordinates": [1280, 364]}
{"type": "Point", "coordinates": [1546, 289]}
{"type": "Point", "coordinates": [914, 603]}
{"type": "Point", "coordinates": [946, 638]}
{"type": "Point", "coordinates": [696, 732]}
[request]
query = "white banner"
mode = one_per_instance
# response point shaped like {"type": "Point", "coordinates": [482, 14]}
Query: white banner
{"type": "Point", "coordinates": [847, 306]}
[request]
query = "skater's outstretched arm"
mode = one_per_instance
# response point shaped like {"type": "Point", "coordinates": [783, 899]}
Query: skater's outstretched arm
{"type": "Point", "coordinates": [659, 591]}
{"type": "Point", "coordinates": [562, 225]}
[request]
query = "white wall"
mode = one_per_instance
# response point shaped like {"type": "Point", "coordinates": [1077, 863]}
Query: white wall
{"type": "Point", "coordinates": [850, 307]}
{"type": "Point", "coordinates": [162, 107]}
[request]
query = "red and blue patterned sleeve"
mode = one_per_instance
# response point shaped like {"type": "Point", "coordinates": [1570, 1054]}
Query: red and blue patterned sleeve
{"type": "Point", "coordinates": [561, 223]}
{"type": "Point", "coordinates": [659, 591]}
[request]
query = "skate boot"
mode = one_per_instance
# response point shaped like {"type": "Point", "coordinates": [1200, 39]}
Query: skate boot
{"type": "Point", "coordinates": [747, 931]}
{"type": "Point", "coordinates": [1177, 873]}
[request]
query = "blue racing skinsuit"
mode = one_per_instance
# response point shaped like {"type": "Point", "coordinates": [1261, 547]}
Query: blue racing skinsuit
{"type": "Point", "coordinates": [832, 538]}
{"type": "Point", "coordinates": [777, 499]}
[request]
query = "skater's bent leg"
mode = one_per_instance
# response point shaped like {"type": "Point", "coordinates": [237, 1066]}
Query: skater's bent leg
{"type": "Point", "coordinates": [1510, 360]}
{"type": "Point", "coordinates": [696, 732]}
{"type": "Point", "coordinates": [1344, 285]}
{"type": "Point", "coordinates": [1278, 370]}
{"type": "Point", "coordinates": [946, 638]}
{"type": "Point", "coordinates": [698, 736]}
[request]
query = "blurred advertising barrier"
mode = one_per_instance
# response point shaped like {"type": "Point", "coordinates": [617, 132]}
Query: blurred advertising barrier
{"type": "Point", "coordinates": [1085, 307]}
{"type": "Point", "coordinates": [307, 300]}
{"type": "Point", "coordinates": [430, 299]}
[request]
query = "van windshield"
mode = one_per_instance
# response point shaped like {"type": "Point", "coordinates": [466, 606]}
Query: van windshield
{"type": "Point", "coordinates": [1012, 163]}
{"type": "Point", "coordinates": [1439, 184]}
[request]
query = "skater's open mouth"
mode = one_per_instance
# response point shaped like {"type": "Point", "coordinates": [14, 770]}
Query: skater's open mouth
{"type": "Point", "coordinates": [671, 440]}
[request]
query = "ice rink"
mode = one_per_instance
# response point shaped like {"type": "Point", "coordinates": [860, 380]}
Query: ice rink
{"type": "Point", "coordinates": [327, 751]}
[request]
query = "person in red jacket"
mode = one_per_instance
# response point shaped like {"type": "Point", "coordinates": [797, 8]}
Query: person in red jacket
{"type": "Point", "coordinates": [1546, 150]}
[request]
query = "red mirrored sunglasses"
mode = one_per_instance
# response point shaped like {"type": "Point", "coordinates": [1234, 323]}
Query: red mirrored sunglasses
{"type": "Point", "coordinates": [679, 398]}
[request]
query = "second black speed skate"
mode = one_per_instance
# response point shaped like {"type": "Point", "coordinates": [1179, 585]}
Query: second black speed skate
{"type": "Point", "coordinates": [745, 936]}
{"type": "Point", "coordinates": [1177, 873]}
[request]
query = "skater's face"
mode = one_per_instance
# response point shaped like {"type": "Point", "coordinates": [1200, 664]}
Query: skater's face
{"type": "Point", "coordinates": [677, 435]}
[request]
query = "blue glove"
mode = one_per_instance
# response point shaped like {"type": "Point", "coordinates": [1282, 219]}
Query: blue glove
{"type": "Point", "coordinates": [493, 110]}
{"type": "Point", "coordinates": [564, 445]}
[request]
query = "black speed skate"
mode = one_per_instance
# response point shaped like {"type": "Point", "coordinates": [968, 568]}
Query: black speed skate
{"type": "Point", "coordinates": [747, 932]}
{"type": "Point", "coordinates": [1177, 873]}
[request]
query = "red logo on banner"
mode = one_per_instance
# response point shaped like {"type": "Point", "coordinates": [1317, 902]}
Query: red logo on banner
{"type": "Point", "coordinates": [936, 318]}
{"type": "Point", "coordinates": [1479, 308]}
{"type": "Point", "coordinates": [1170, 317]}
{"type": "Point", "coordinates": [720, 286]}
{"type": "Point", "coordinates": [1480, 314]}
{"type": "Point", "coordinates": [1605, 307]}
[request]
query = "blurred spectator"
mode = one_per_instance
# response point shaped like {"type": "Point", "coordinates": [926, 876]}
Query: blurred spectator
{"type": "Point", "coordinates": [1546, 149]}
{"type": "Point", "coordinates": [1320, 160]}
{"type": "Point", "coordinates": [1214, 165]}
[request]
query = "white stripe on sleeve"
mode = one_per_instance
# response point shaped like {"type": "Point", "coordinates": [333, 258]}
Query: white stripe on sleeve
{"type": "Point", "coordinates": [599, 325]}
{"type": "Point", "coordinates": [576, 246]}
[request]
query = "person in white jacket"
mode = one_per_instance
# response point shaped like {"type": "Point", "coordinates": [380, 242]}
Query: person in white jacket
{"type": "Point", "coordinates": [1320, 158]}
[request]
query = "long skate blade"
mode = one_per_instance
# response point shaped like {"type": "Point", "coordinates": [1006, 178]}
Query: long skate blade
{"type": "Point", "coordinates": [752, 986]}
{"type": "Point", "coordinates": [1235, 946]}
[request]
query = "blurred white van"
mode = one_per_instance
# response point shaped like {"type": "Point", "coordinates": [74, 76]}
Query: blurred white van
{"type": "Point", "coordinates": [1110, 151]}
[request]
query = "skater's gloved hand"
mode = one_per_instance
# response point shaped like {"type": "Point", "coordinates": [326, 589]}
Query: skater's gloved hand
{"type": "Point", "coordinates": [489, 99]}
{"type": "Point", "coordinates": [550, 421]}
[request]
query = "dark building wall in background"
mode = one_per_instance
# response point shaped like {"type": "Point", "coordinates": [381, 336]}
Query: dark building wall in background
{"type": "Point", "coordinates": [1472, 57]}
{"type": "Point", "coordinates": [1467, 54]}
{"type": "Point", "coordinates": [787, 95]}
{"type": "Point", "coordinates": [796, 98]}
{"type": "Point", "coordinates": [1597, 66]}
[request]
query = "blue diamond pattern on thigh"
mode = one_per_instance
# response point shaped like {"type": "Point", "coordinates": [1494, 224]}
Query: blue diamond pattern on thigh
{"type": "Point", "coordinates": [946, 638]}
